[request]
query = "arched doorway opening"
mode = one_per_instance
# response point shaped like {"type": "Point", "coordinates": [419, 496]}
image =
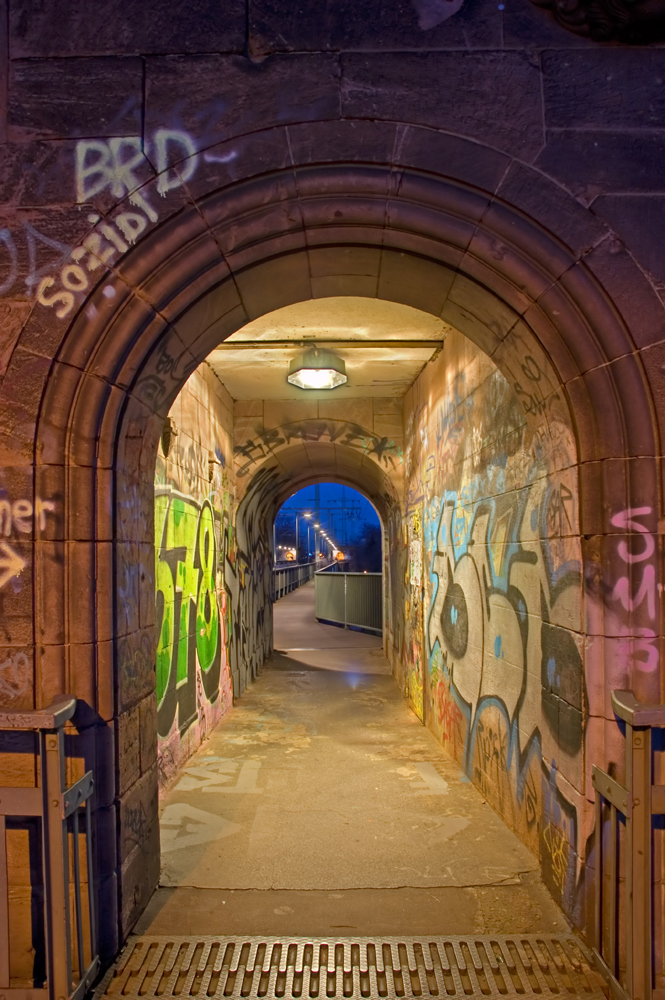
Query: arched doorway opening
{"type": "Point", "coordinates": [329, 540]}
{"type": "Point", "coordinates": [478, 488]}
{"type": "Point", "coordinates": [508, 284]}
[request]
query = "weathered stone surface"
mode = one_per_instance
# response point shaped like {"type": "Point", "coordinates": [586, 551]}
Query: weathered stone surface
{"type": "Point", "coordinates": [77, 28]}
{"type": "Point", "coordinates": [493, 96]}
{"type": "Point", "coordinates": [653, 359]}
{"type": "Point", "coordinates": [639, 220]}
{"type": "Point", "coordinates": [61, 99]}
{"type": "Point", "coordinates": [129, 750]}
{"type": "Point", "coordinates": [366, 25]}
{"type": "Point", "coordinates": [34, 244]}
{"type": "Point", "coordinates": [336, 141]}
{"type": "Point", "coordinates": [16, 677]}
{"type": "Point", "coordinates": [590, 163]}
{"type": "Point", "coordinates": [639, 305]}
{"type": "Point", "coordinates": [450, 156]}
{"type": "Point", "coordinates": [604, 88]}
{"type": "Point", "coordinates": [12, 318]}
{"type": "Point", "coordinates": [525, 25]}
{"type": "Point", "coordinates": [37, 173]}
{"type": "Point", "coordinates": [138, 812]}
{"type": "Point", "coordinates": [136, 667]}
{"type": "Point", "coordinates": [220, 96]}
{"type": "Point", "coordinates": [562, 215]}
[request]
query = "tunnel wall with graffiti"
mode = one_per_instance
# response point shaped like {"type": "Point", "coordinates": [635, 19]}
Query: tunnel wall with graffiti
{"type": "Point", "coordinates": [371, 427]}
{"type": "Point", "coordinates": [194, 542]}
{"type": "Point", "coordinates": [488, 646]}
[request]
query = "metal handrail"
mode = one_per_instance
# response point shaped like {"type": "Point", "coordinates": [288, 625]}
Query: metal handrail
{"type": "Point", "coordinates": [637, 802]}
{"type": "Point", "coordinates": [290, 577]}
{"type": "Point", "coordinates": [58, 807]}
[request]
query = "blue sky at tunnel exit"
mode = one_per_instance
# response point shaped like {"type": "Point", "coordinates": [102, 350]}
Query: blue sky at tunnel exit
{"type": "Point", "coordinates": [343, 512]}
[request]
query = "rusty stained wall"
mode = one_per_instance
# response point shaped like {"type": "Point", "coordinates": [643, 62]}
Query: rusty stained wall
{"type": "Point", "coordinates": [194, 545]}
{"type": "Point", "coordinates": [487, 646]}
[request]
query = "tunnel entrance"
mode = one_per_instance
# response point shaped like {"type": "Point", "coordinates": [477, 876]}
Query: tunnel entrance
{"type": "Point", "coordinates": [473, 474]}
{"type": "Point", "coordinates": [331, 535]}
{"type": "Point", "coordinates": [429, 223]}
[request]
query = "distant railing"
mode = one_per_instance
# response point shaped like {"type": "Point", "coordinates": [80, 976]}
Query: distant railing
{"type": "Point", "coordinates": [59, 809]}
{"type": "Point", "coordinates": [624, 927]}
{"type": "Point", "coordinates": [288, 578]}
{"type": "Point", "coordinates": [354, 600]}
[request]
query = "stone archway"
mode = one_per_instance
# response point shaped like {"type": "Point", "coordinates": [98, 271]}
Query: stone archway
{"type": "Point", "coordinates": [401, 232]}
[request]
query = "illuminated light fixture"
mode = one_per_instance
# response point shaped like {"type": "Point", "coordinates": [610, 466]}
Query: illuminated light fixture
{"type": "Point", "coordinates": [317, 369]}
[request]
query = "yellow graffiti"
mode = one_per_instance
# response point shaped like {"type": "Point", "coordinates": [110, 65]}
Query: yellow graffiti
{"type": "Point", "coordinates": [559, 850]}
{"type": "Point", "coordinates": [416, 695]}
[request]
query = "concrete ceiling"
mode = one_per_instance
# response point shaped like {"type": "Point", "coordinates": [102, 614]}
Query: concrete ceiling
{"type": "Point", "coordinates": [385, 346]}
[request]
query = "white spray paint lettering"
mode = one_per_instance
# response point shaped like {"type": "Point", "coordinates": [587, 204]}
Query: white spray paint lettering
{"type": "Point", "coordinates": [14, 676]}
{"type": "Point", "coordinates": [19, 517]}
{"type": "Point", "coordinates": [101, 165]}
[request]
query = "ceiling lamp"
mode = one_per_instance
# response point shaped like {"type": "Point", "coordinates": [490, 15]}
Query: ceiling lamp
{"type": "Point", "coordinates": [317, 369]}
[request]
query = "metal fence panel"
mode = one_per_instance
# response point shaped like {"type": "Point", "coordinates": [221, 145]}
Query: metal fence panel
{"type": "Point", "coordinates": [71, 968]}
{"type": "Point", "coordinates": [329, 590]}
{"type": "Point", "coordinates": [364, 600]}
{"type": "Point", "coordinates": [350, 599]}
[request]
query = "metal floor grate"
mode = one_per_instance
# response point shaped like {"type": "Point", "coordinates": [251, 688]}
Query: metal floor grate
{"type": "Point", "coordinates": [519, 965]}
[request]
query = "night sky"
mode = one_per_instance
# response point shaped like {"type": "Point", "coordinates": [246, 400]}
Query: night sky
{"type": "Point", "coordinates": [346, 515]}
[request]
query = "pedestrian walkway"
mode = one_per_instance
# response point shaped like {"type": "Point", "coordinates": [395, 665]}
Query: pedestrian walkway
{"type": "Point", "coordinates": [322, 806]}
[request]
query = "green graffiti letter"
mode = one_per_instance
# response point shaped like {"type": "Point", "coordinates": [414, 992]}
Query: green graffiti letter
{"type": "Point", "coordinates": [207, 611]}
{"type": "Point", "coordinates": [165, 597]}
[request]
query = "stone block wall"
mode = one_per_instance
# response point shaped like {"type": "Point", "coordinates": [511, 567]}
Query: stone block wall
{"type": "Point", "coordinates": [194, 542]}
{"type": "Point", "coordinates": [489, 648]}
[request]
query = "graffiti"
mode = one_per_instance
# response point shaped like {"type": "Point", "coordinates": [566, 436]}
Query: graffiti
{"type": "Point", "coordinates": [135, 824]}
{"type": "Point", "coordinates": [490, 617]}
{"type": "Point", "coordinates": [24, 516]}
{"type": "Point", "coordinates": [190, 612]}
{"type": "Point", "coordinates": [449, 717]}
{"type": "Point", "coordinates": [212, 575]}
{"type": "Point", "coordinates": [214, 774]}
{"type": "Point", "coordinates": [638, 591]}
{"type": "Point", "coordinates": [120, 167]}
{"type": "Point", "coordinates": [112, 163]}
{"type": "Point", "coordinates": [559, 838]}
{"type": "Point", "coordinates": [489, 550]}
{"type": "Point", "coordinates": [19, 517]}
{"type": "Point", "coordinates": [11, 564]}
{"type": "Point", "coordinates": [268, 440]}
{"type": "Point", "coordinates": [170, 371]}
{"type": "Point", "coordinates": [559, 852]}
{"type": "Point", "coordinates": [184, 826]}
{"type": "Point", "coordinates": [14, 676]}
{"type": "Point", "coordinates": [413, 629]}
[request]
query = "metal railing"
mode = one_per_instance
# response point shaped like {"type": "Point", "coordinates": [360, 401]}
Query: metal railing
{"type": "Point", "coordinates": [59, 808]}
{"type": "Point", "coordinates": [624, 948]}
{"type": "Point", "coordinates": [350, 599]}
{"type": "Point", "coordinates": [288, 578]}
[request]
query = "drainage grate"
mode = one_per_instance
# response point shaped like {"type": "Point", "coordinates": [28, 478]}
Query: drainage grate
{"type": "Point", "coordinates": [506, 966]}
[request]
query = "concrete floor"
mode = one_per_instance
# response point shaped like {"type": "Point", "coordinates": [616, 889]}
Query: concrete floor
{"type": "Point", "coordinates": [322, 805]}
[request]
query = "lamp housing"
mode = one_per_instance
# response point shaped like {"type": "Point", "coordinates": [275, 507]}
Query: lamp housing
{"type": "Point", "coordinates": [317, 369]}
